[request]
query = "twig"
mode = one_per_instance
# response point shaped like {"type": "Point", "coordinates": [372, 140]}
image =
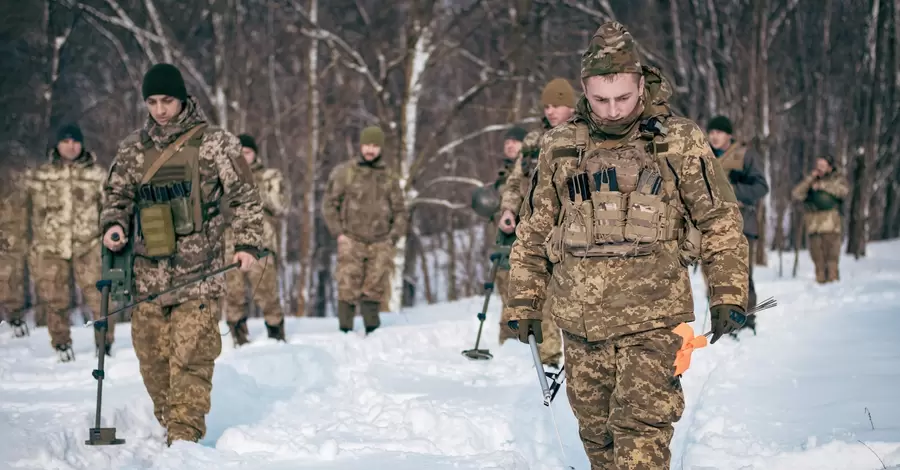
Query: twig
{"type": "Point", "coordinates": [870, 418]}
{"type": "Point", "coordinates": [873, 453]}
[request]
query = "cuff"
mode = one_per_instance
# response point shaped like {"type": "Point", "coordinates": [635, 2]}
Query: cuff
{"type": "Point", "coordinates": [248, 249]}
{"type": "Point", "coordinates": [525, 309]}
{"type": "Point", "coordinates": [727, 295]}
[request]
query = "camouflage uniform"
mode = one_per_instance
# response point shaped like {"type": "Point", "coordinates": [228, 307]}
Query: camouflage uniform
{"type": "Point", "coordinates": [176, 338]}
{"type": "Point", "coordinates": [262, 278]}
{"type": "Point", "coordinates": [363, 202]}
{"type": "Point", "coordinates": [65, 199]}
{"type": "Point", "coordinates": [823, 224]}
{"type": "Point", "coordinates": [618, 286]}
{"type": "Point", "coordinates": [13, 249]}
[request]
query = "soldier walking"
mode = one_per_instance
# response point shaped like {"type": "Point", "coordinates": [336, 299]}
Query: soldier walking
{"type": "Point", "coordinates": [13, 250]}
{"type": "Point", "coordinates": [364, 209]}
{"type": "Point", "coordinates": [262, 278]}
{"type": "Point", "coordinates": [599, 248]}
{"type": "Point", "coordinates": [172, 176]}
{"type": "Point", "coordinates": [65, 195]}
{"type": "Point", "coordinates": [823, 192]}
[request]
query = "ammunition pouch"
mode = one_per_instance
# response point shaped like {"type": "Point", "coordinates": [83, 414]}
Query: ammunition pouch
{"type": "Point", "coordinates": [157, 230]}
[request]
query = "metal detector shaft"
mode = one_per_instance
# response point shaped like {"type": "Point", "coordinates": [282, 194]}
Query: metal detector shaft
{"type": "Point", "coordinates": [487, 298]}
{"type": "Point", "coordinates": [101, 353]}
{"type": "Point", "coordinates": [539, 366]}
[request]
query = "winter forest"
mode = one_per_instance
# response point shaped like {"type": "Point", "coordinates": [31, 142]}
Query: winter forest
{"type": "Point", "coordinates": [446, 79]}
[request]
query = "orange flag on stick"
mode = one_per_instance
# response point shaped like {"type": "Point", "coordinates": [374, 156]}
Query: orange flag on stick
{"type": "Point", "coordinates": [688, 345]}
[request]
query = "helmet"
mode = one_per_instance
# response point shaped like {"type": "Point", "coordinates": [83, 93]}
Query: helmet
{"type": "Point", "coordinates": [486, 201]}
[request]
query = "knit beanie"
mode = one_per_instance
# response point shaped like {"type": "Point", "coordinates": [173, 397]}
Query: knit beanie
{"type": "Point", "coordinates": [611, 50]}
{"type": "Point", "coordinates": [248, 141]}
{"type": "Point", "coordinates": [164, 79]}
{"type": "Point", "coordinates": [372, 135]}
{"type": "Point", "coordinates": [69, 131]}
{"type": "Point", "coordinates": [720, 123]}
{"type": "Point", "coordinates": [516, 133]}
{"type": "Point", "coordinates": [558, 93]}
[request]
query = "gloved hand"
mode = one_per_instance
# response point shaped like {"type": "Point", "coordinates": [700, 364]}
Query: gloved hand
{"type": "Point", "coordinates": [725, 319]}
{"type": "Point", "coordinates": [524, 327]}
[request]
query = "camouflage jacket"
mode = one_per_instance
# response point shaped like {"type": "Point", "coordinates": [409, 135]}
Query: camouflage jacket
{"type": "Point", "coordinates": [64, 200]}
{"type": "Point", "coordinates": [13, 216]}
{"type": "Point", "coordinates": [224, 176]}
{"type": "Point", "coordinates": [275, 203]}
{"type": "Point", "coordinates": [598, 298]}
{"type": "Point", "coordinates": [513, 193]}
{"type": "Point", "coordinates": [364, 202]}
{"type": "Point", "coordinates": [822, 221]}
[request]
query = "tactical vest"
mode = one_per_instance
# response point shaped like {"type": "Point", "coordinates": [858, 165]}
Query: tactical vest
{"type": "Point", "coordinates": [169, 194]}
{"type": "Point", "coordinates": [622, 199]}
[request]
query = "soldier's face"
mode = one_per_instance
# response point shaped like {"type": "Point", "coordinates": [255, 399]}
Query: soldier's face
{"type": "Point", "coordinates": [370, 151]}
{"type": "Point", "coordinates": [558, 114]}
{"type": "Point", "coordinates": [823, 166]}
{"type": "Point", "coordinates": [249, 154]}
{"type": "Point", "coordinates": [719, 139]}
{"type": "Point", "coordinates": [613, 97]}
{"type": "Point", "coordinates": [69, 149]}
{"type": "Point", "coordinates": [163, 108]}
{"type": "Point", "coordinates": [512, 147]}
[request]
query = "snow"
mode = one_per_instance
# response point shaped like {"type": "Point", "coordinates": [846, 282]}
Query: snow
{"type": "Point", "coordinates": [797, 396]}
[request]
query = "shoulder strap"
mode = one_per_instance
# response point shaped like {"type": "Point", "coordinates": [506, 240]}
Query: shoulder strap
{"type": "Point", "coordinates": [173, 148]}
{"type": "Point", "coordinates": [581, 138]}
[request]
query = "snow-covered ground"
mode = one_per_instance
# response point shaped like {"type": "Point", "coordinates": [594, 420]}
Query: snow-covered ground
{"type": "Point", "coordinates": [816, 389]}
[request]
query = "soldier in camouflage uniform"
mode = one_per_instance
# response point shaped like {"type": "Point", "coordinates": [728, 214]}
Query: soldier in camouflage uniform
{"type": "Point", "coordinates": [174, 174]}
{"type": "Point", "coordinates": [364, 208]}
{"type": "Point", "coordinates": [823, 192]}
{"type": "Point", "coordinates": [13, 249]}
{"type": "Point", "coordinates": [262, 279]}
{"type": "Point", "coordinates": [558, 100]}
{"type": "Point", "coordinates": [65, 196]}
{"type": "Point", "coordinates": [599, 247]}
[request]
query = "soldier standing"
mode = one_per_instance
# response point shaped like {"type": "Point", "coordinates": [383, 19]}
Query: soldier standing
{"type": "Point", "coordinates": [262, 278]}
{"type": "Point", "coordinates": [558, 99]}
{"type": "Point", "coordinates": [823, 192]}
{"type": "Point", "coordinates": [599, 247]}
{"type": "Point", "coordinates": [172, 176]}
{"type": "Point", "coordinates": [364, 209]}
{"type": "Point", "coordinates": [65, 195]}
{"type": "Point", "coordinates": [741, 163]}
{"type": "Point", "coordinates": [13, 249]}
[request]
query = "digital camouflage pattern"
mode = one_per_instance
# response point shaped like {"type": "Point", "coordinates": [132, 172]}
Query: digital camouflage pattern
{"type": "Point", "coordinates": [741, 164]}
{"type": "Point", "coordinates": [516, 187]}
{"type": "Point", "coordinates": [65, 200]}
{"type": "Point", "coordinates": [612, 50]}
{"type": "Point", "coordinates": [176, 348]}
{"type": "Point", "coordinates": [363, 202]}
{"type": "Point", "coordinates": [224, 176]}
{"type": "Point", "coordinates": [825, 251]}
{"type": "Point", "coordinates": [13, 245]}
{"type": "Point", "coordinates": [624, 391]}
{"type": "Point", "coordinates": [825, 227]}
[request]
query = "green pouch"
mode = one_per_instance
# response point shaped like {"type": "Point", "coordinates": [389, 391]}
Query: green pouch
{"type": "Point", "coordinates": [182, 210]}
{"type": "Point", "coordinates": [158, 230]}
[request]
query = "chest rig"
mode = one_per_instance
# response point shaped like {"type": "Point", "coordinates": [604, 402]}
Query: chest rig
{"type": "Point", "coordinates": [169, 194]}
{"type": "Point", "coordinates": [622, 197]}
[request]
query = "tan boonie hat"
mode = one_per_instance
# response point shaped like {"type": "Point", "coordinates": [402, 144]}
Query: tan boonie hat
{"type": "Point", "coordinates": [558, 93]}
{"type": "Point", "coordinates": [612, 50]}
{"type": "Point", "coordinates": [372, 135]}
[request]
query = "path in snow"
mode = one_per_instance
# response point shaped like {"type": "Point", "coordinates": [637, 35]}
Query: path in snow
{"type": "Point", "coordinates": [796, 396]}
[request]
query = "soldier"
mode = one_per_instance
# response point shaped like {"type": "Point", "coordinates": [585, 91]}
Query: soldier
{"type": "Point", "coordinates": [263, 275]}
{"type": "Point", "coordinates": [558, 99]}
{"type": "Point", "coordinates": [823, 192]}
{"type": "Point", "coordinates": [749, 185]}
{"type": "Point", "coordinates": [364, 209]}
{"type": "Point", "coordinates": [65, 196]}
{"type": "Point", "coordinates": [599, 248]}
{"type": "Point", "coordinates": [13, 249]}
{"type": "Point", "coordinates": [172, 176]}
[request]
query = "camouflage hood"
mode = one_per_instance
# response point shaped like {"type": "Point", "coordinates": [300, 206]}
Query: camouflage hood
{"type": "Point", "coordinates": [653, 103]}
{"type": "Point", "coordinates": [190, 116]}
{"type": "Point", "coordinates": [85, 160]}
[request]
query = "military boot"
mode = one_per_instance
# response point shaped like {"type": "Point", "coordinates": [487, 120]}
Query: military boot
{"type": "Point", "coordinates": [276, 332]}
{"type": "Point", "coordinates": [370, 313]}
{"type": "Point", "coordinates": [65, 352]}
{"type": "Point", "coordinates": [346, 312]}
{"type": "Point", "coordinates": [239, 332]}
{"type": "Point", "coordinates": [832, 274]}
{"type": "Point", "coordinates": [19, 327]}
{"type": "Point", "coordinates": [821, 277]}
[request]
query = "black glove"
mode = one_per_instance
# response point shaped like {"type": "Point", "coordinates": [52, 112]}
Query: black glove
{"type": "Point", "coordinates": [725, 319]}
{"type": "Point", "coordinates": [524, 327]}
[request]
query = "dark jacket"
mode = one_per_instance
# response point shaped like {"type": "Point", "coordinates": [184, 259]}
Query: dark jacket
{"type": "Point", "coordinates": [742, 164]}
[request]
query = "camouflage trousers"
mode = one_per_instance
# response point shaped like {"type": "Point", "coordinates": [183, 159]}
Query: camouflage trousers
{"type": "Point", "coordinates": [12, 286]}
{"type": "Point", "coordinates": [550, 348]}
{"type": "Point", "coordinates": [751, 293]}
{"type": "Point", "coordinates": [625, 397]}
{"type": "Point", "coordinates": [53, 281]}
{"type": "Point", "coordinates": [362, 270]}
{"type": "Point", "coordinates": [262, 280]}
{"type": "Point", "coordinates": [825, 250]}
{"type": "Point", "coordinates": [176, 348]}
